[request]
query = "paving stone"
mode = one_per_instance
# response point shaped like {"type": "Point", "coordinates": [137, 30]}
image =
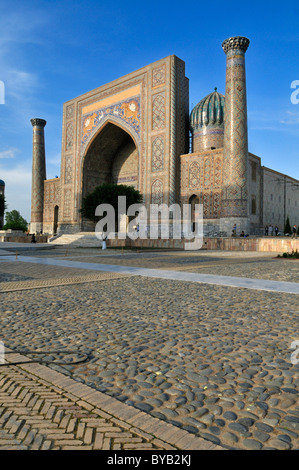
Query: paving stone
{"type": "Point", "coordinates": [239, 428]}
{"type": "Point", "coordinates": [230, 415]}
{"type": "Point", "coordinates": [230, 437]}
{"type": "Point", "coordinates": [252, 444]}
{"type": "Point", "coordinates": [279, 444]}
{"type": "Point", "coordinates": [261, 436]}
{"type": "Point", "coordinates": [211, 366]}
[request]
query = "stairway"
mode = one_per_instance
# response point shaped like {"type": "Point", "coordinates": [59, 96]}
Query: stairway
{"type": "Point", "coordinates": [83, 239]}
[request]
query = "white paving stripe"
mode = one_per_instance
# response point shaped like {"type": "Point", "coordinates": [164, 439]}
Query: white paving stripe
{"type": "Point", "coordinates": [229, 281]}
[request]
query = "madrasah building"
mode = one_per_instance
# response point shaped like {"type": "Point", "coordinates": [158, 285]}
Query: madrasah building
{"type": "Point", "coordinates": [136, 130]}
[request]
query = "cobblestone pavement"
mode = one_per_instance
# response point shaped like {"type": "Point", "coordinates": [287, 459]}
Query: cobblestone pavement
{"type": "Point", "coordinates": [239, 264]}
{"type": "Point", "coordinates": [274, 270]}
{"type": "Point", "coordinates": [211, 361]}
{"type": "Point", "coordinates": [41, 409]}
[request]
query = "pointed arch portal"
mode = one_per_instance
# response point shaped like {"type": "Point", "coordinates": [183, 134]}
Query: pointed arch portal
{"type": "Point", "coordinates": [112, 157]}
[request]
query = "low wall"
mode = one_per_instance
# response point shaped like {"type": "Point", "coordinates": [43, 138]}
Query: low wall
{"type": "Point", "coordinates": [275, 244]}
{"type": "Point", "coordinates": [269, 244]}
{"type": "Point", "coordinates": [148, 243]}
{"type": "Point", "coordinates": [23, 238]}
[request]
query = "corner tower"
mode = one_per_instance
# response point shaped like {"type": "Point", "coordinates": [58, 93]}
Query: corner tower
{"type": "Point", "coordinates": [235, 205]}
{"type": "Point", "coordinates": [38, 175]}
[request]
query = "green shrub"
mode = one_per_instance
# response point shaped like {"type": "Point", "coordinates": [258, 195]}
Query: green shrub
{"type": "Point", "coordinates": [14, 221]}
{"type": "Point", "coordinates": [294, 254]}
{"type": "Point", "coordinates": [108, 193]}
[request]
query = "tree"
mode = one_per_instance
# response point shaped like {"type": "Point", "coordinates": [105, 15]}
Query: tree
{"type": "Point", "coordinates": [14, 221]}
{"type": "Point", "coordinates": [2, 208]}
{"type": "Point", "coordinates": [2, 204]}
{"type": "Point", "coordinates": [287, 227]}
{"type": "Point", "coordinates": [108, 193]}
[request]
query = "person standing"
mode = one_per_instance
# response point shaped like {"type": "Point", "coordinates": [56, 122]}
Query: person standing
{"type": "Point", "coordinates": [270, 230]}
{"type": "Point", "coordinates": [294, 235]}
{"type": "Point", "coordinates": [266, 230]}
{"type": "Point", "coordinates": [104, 238]}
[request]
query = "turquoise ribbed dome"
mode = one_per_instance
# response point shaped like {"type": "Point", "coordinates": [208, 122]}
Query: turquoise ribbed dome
{"type": "Point", "coordinates": [2, 183]}
{"type": "Point", "coordinates": [209, 112]}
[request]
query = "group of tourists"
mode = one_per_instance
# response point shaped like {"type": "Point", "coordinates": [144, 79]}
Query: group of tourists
{"type": "Point", "coordinates": [271, 231]}
{"type": "Point", "coordinates": [234, 232]}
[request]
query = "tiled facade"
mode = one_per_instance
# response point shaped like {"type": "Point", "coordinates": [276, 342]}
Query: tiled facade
{"type": "Point", "coordinates": [201, 175]}
{"type": "Point", "coordinates": [130, 131]}
{"type": "Point", "coordinates": [135, 130]}
{"type": "Point", "coordinates": [52, 197]}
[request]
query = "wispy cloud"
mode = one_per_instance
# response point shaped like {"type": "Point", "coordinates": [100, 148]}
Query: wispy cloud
{"type": "Point", "coordinates": [292, 117]}
{"type": "Point", "coordinates": [283, 120]}
{"type": "Point", "coordinates": [20, 81]}
{"type": "Point", "coordinates": [20, 90]}
{"type": "Point", "coordinates": [17, 70]}
{"type": "Point", "coordinates": [17, 188]}
{"type": "Point", "coordinates": [9, 153]}
{"type": "Point", "coordinates": [16, 28]}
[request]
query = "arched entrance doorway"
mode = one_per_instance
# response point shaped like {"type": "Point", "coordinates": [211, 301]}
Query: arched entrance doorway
{"type": "Point", "coordinates": [55, 223]}
{"type": "Point", "coordinates": [112, 157]}
{"type": "Point", "coordinates": [193, 200]}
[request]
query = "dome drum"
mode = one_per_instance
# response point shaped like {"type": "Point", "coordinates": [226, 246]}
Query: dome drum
{"type": "Point", "coordinates": [207, 139]}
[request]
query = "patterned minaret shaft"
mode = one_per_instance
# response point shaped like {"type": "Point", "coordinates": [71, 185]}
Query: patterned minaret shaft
{"type": "Point", "coordinates": [38, 175]}
{"type": "Point", "coordinates": [235, 150]}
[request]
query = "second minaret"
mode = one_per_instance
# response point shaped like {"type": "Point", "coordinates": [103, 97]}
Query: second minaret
{"type": "Point", "coordinates": [235, 150]}
{"type": "Point", "coordinates": [38, 175]}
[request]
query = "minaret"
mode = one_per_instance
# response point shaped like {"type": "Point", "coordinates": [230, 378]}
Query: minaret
{"type": "Point", "coordinates": [235, 204]}
{"type": "Point", "coordinates": [38, 175]}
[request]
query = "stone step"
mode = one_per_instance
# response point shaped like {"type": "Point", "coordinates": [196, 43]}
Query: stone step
{"type": "Point", "coordinates": [76, 239]}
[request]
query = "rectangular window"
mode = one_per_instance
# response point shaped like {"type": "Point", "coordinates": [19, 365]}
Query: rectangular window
{"type": "Point", "coordinates": [253, 205]}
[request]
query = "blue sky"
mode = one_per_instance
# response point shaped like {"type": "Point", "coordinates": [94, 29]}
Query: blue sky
{"type": "Point", "coordinates": [53, 51]}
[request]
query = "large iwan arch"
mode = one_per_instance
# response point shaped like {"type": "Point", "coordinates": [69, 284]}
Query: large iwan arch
{"type": "Point", "coordinates": [111, 157]}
